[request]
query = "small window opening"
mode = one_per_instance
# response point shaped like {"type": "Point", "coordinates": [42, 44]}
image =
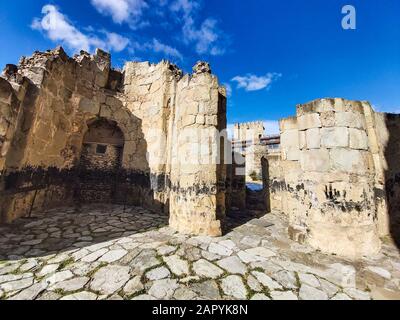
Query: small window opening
{"type": "Point", "coordinates": [101, 149]}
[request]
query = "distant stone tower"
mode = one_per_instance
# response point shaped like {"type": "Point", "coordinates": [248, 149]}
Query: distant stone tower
{"type": "Point", "coordinates": [250, 131]}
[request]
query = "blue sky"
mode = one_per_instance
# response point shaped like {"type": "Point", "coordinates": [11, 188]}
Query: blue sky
{"type": "Point", "coordinates": [272, 54]}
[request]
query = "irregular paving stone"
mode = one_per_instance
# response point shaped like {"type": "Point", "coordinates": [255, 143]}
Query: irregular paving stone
{"type": "Point", "coordinates": [163, 289]}
{"type": "Point", "coordinates": [233, 286]}
{"type": "Point", "coordinates": [210, 256]}
{"type": "Point", "coordinates": [71, 285]}
{"type": "Point", "coordinates": [329, 288]}
{"type": "Point", "coordinates": [283, 295]}
{"type": "Point", "coordinates": [341, 296]}
{"type": "Point", "coordinates": [251, 241]}
{"type": "Point", "coordinates": [228, 244]}
{"type": "Point", "coordinates": [340, 274]}
{"type": "Point", "coordinates": [133, 286]}
{"type": "Point", "coordinates": [184, 294]}
{"type": "Point", "coordinates": [177, 265]}
{"type": "Point", "coordinates": [30, 293]}
{"type": "Point", "coordinates": [84, 295]}
{"type": "Point", "coordinates": [145, 260]}
{"type": "Point", "coordinates": [266, 281]}
{"type": "Point", "coordinates": [286, 278]}
{"type": "Point", "coordinates": [309, 279]}
{"type": "Point", "coordinates": [207, 289]}
{"type": "Point", "coordinates": [29, 265]}
{"type": "Point", "coordinates": [16, 285]}
{"type": "Point", "coordinates": [219, 249]}
{"type": "Point", "coordinates": [8, 269]}
{"type": "Point", "coordinates": [206, 269]}
{"type": "Point", "coordinates": [144, 297]}
{"type": "Point", "coordinates": [233, 265]}
{"type": "Point", "coordinates": [253, 284]}
{"type": "Point", "coordinates": [166, 250]}
{"type": "Point", "coordinates": [94, 256]}
{"type": "Point", "coordinates": [113, 256]}
{"type": "Point", "coordinates": [59, 277]}
{"type": "Point", "coordinates": [310, 293]}
{"type": "Point", "coordinates": [109, 279]}
{"type": "Point", "coordinates": [259, 297]}
{"type": "Point", "coordinates": [49, 295]}
{"type": "Point", "coordinates": [261, 252]}
{"type": "Point", "coordinates": [158, 274]}
{"type": "Point", "coordinates": [47, 269]}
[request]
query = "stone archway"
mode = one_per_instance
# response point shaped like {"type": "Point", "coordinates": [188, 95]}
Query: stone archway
{"type": "Point", "coordinates": [100, 161]}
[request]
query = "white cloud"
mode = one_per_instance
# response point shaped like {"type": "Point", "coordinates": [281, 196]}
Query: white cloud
{"type": "Point", "coordinates": [58, 28]}
{"type": "Point", "coordinates": [169, 51]}
{"type": "Point", "coordinates": [251, 82]}
{"type": "Point", "coordinates": [207, 36]}
{"type": "Point", "coordinates": [156, 46]}
{"type": "Point", "coordinates": [129, 11]}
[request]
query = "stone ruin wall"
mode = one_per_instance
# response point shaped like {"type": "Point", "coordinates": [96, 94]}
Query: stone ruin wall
{"type": "Point", "coordinates": [333, 175]}
{"type": "Point", "coordinates": [47, 103]}
{"type": "Point", "coordinates": [249, 131]}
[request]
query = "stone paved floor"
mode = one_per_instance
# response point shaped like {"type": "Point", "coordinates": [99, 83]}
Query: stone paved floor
{"type": "Point", "coordinates": [105, 253]}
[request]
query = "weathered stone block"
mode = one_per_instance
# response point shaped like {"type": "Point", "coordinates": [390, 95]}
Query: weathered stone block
{"type": "Point", "coordinates": [358, 139]}
{"type": "Point", "coordinates": [290, 138]}
{"type": "Point", "coordinates": [352, 161]}
{"type": "Point", "coordinates": [316, 160]}
{"type": "Point", "coordinates": [309, 121]}
{"type": "Point", "coordinates": [328, 119]}
{"type": "Point", "coordinates": [87, 105]}
{"type": "Point", "coordinates": [334, 137]}
{"type": "Point", "coordinates": [302, 140]}
{"type": "Point", "coordinates": [288, 124]}
{"type": "Point", "coordinates": [350, 119]}
{"type": "Point", "coordinates": [313, 138]}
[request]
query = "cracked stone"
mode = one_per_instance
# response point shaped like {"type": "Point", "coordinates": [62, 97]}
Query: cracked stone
{"type": "Point", "coordinates": [259, 297]}
{"type": "Point", "coordinates": [233, 286]}
{"type": "Point", "coordinates": [133, 286]}
{"type": "Point", "coordinates": [109, 279]}
{"type": "Point", "coordinates": [219, 249]}
{"type": "Point", "coordinates": [94, 256]}
{"type": "Point", "coordinates": [158, 274]}
{"type": "Point", "coordinates": [30, 293]}
{"type": "Point", "coordinates": [310, 293]}
{"type": "Point", "coordinates": [341, 296]}
{"type": "Point", "coordinates": [309, 279]}
{"type": "Point", "coordinates": [177, 265]}
{"type": "Point", "coordinates": [16, 285]}
{"type": "Point", "coordinates": [113, 256]}
{"type": "Point", "coordinates": [266, 281]}
{"type": "Point", "coordinates": [163, 289]}
{"type": "Point", "coordinates": [71, 285]}
{"type": "Point", "coordinates": [59, 277]}
{"type": "Point", "coordinates": [84, 295]}
{"type": "Point", "coordinates": [206, 269]}
{"type": "Point", "coordinates": [47, 269]}
{"type": "Point", "coordinates": [233, 265]}
{"type": "Point", "coordinates": [283, 295]}
{"type": "Point", "coordinates": [208, 290]}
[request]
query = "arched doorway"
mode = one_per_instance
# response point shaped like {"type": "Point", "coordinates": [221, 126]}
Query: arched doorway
{"type": "Point", "coordinates": [100, 162]}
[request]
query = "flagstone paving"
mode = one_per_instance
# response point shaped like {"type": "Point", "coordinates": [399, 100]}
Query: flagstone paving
{"type": "Point", "coordinates": [106, 252]}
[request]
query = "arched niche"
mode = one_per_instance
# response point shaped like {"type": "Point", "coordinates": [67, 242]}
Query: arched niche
{"type": "Point", "coordinates": [103, 145]}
